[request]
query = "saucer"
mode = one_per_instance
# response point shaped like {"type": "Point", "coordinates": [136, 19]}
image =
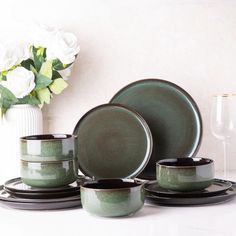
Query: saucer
{"type": "Point", "coordinates": [218, 186]}
{"type": "Point", "coordinates": [49, 195]}
{"type": "Point", "coordinates": [38, 204]}
{"type": "Point", "coordinates": [188, 201]}
{"type": "Point", "coordinates": [16, 185]}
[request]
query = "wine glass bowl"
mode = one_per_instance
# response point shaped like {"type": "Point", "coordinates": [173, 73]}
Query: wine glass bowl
{"type": "Point", "coordinates": [223, 121]}
{"type": "Point", "coordinates": [223, 116]}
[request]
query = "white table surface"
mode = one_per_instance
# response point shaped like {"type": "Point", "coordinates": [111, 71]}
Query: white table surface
{"type": "Point", "coordinates": [215, 220]}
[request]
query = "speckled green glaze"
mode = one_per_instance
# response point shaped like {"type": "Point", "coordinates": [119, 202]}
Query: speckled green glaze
{"type": "Point", "coordinates": [185, 178]}
{"type": "Point", "coordinates": [113, 142]}
{"type": "Point", "coordinates": [112, 202]}
{"type": "Point", "coordinates": [48, 174]}
{"type": "Point", "coordinates": [171, 114]}
{"type": "Point", "coordinates": [48, 147]}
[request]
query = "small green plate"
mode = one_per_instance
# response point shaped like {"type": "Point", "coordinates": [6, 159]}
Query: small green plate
{"type": "Point", "coordinates": [113, 142]}
{"type": "Point", "coordinates": [172, 115]}
{"type": "Point", "coordinates": [218, 186]}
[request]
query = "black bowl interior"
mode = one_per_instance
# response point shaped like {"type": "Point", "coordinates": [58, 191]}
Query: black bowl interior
{"type": "Point", "coordinates": [110, 184]}
{"type": "Point", "coordinates": [47, 137]}
{"type": "Point", "coordinates": [191, 162]}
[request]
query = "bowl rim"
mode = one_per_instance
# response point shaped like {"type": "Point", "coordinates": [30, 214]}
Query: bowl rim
{"type": "Point", "coordinates": [195, 160]}
{"type": "Point", "coordinates": [47, 137]}
{"type": "Point", "coordinates": [137, 183]}
{"type": "Point", "coordinates": [46, 162]}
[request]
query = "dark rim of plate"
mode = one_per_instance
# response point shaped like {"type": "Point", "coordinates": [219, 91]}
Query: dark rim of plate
{"type": "Point", "coordinates": [8, 185]}
{"type": "Point", "coordinates": [42, 206]}
{"type": "Point", "coordinates": [46, 195]}
{"type": "Point", "coordinates": [207, 200]}
{"type": "Point", "coordinates": [141, 120]}
{"type": "Point", "coordinates": [194, 104]}
{"type": "Point", "coordinates": [221, 197]}
{"type": "Point", "coordinates": [169, 193]}
{"type": "Point", "coordinates": [33, 200]}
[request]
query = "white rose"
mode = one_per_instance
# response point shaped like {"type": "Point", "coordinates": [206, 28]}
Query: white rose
{"type": "Point", "coordinates": [64, 46]}
{"type": "Point", "coordinates": [42, 36]}
{"type": "Point", "coordinates": [59, 44]}
{"type": "Point", "coordinates": [12, 54]}
{"type": "Point", "coordinates": [20, 82]}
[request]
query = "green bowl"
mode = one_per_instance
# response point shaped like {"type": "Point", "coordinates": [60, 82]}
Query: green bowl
{"type": "Point", "coordinates": [185, 174]}
{"type": "Point", "coordinates": [48, 174]}
{"type": "Point", "coordinates": [48, 147]}
{"type": "Point", "coordinates": [112, 197]}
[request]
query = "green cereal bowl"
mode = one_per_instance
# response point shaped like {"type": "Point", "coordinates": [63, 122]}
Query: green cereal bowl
{"type": "Point", "coordinates": [48, 174]}
{"type": "Point", "coordinates": [112, 197]}
{"type": "Point", "coordinates": [185, 174]}
{"type": "Point", "coordinates": [48, 147]}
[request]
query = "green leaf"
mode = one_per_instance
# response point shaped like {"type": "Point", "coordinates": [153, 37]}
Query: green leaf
{"type": "Point", "coordinates": [46, 69]}
{"type": "Point", "coordinates": [33, 70]}
{"type": "Point", "coordinates": [29, 100]}
{"type": "Point", "coordinates": [40, 51]}
{"type": "Point", "coordinates": [42, 81]}
{"type": "Point", "coordinates": [55, 75]}
{"type": "Point", "coordinates": [2, 77]}
{"type": "Point", "coordinates": [44, 96]}
{"type": "Point", "coordinates": [58, 65]}
{"type": "Point", "coordinates": [7, 98]}
{"type": "Point", "coordinates": [38, 57]}
{"type": "Point", "coordinates": [58, 85]}
{"type": "Point", "coordinates": [27, 64]}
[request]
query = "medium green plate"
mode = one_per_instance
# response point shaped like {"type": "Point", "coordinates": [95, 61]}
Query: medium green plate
{"type": "Point", "coordinates": [113, 142]}
{"type": "Point", "coordinates": [172, 115]}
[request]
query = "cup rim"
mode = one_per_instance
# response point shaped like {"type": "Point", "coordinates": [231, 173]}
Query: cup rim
{"type": "Point", "coordinates": [197, 162]}
{"type": "Point", "coordinates": [47, 162]}
{"type": "Point", "coordinates": [47, 137]}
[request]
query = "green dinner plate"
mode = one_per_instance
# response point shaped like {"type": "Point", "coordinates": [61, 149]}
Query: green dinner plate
{"type": "Point", "coordinates": [113, 142]}
{"type": "Point", "coordinates": [172, 115]}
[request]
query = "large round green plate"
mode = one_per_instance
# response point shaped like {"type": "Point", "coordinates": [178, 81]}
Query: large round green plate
{"type": "Point", "coordinates": [113, 142]}
{"type": "Point", "coordinates": [172, 115]}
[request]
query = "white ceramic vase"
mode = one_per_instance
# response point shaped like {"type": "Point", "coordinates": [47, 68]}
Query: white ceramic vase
{"type": "Point", "coordinates": [19, 120]}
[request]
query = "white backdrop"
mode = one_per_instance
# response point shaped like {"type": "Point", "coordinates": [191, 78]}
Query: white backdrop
{"type": "Point", "coordinates": [189, 42]}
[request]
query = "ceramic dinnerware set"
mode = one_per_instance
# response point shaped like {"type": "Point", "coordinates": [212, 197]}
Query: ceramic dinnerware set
{"type": "Point", "coordinates": [140, 146]}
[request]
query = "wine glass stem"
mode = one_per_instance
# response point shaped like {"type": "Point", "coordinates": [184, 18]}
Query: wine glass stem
{"type": "Point", "coordinates": [225, 158]}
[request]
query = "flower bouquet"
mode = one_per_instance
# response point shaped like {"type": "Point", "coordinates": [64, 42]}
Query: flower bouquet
{"type": "Point", "coordinates": [30, 73]}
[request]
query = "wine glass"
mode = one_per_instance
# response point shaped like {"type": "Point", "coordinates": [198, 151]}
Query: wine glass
{"type": "Point", "coordinates": [223, 122]}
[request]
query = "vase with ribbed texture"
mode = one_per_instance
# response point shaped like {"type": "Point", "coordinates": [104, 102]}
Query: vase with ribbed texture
{"type": "Point", "coordinates": [19, 120]}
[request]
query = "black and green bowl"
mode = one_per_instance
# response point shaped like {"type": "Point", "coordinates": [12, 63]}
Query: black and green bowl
{"type": "Point", "coordinates": [185, 174]}
{"type": "Point", "coordinates": [48, 174]}
{"type": "Point", "coordinates": [48, 147]}
{"type": "Point", "coordinates": [112, 197]}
